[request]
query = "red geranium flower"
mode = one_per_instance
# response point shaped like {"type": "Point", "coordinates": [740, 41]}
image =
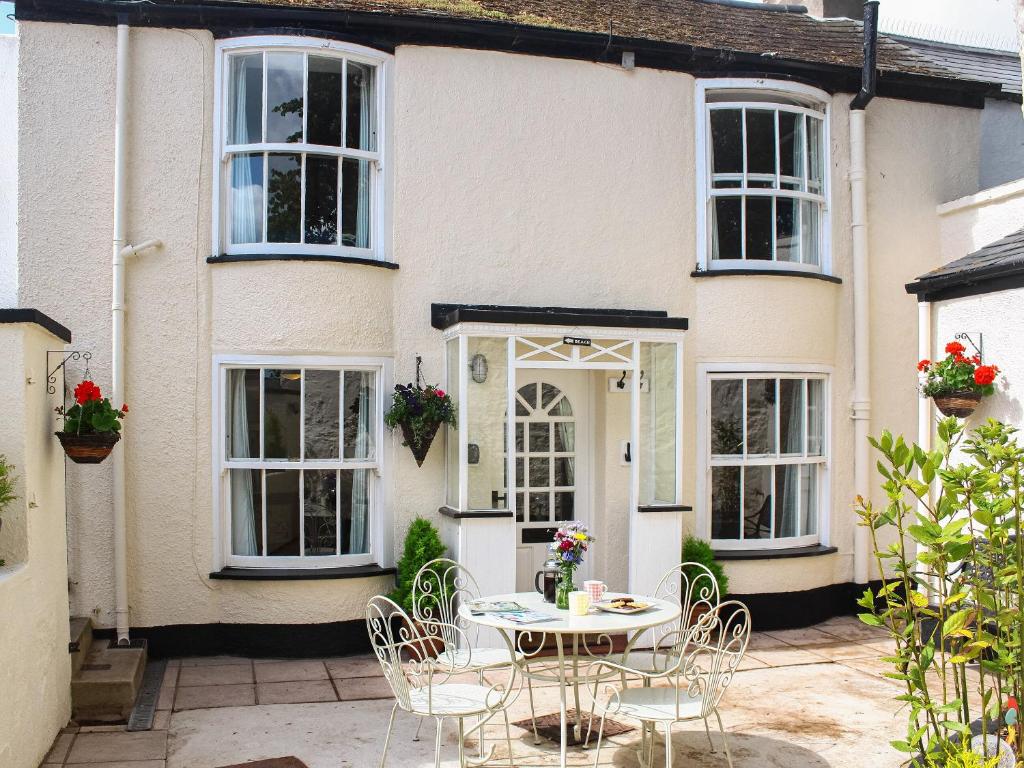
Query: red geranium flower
{"type": "Point", "coordinates": [923, 364]}
{"type": "Point", "coordinates": [439, 392]}
{"type": "Point", "coordinates": [124, 408]}
{"type": "Point", "coordinates": [976, 359]}
{"type": "Point", "coordinates": [984, 375]}
{"type": "Point", "coordinates": [86, 391]}
{"type": "Point", "coordinates": [954, 348]}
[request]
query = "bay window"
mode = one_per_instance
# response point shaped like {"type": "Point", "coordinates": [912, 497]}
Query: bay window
{"type": "Point", "coordinates": [767, 458]}
{"type": "Point", "coordinates": [764, 179]}
{"type": "Point", "coordinates": [299, 456]}
{"type": "Point", "coordinates": [300, 145]}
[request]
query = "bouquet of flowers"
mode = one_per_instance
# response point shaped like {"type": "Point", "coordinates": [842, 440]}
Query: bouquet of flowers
{"type": "Point", "coordinates": [957, 383]}
{"type": "Point", "coordinates": [571, 542]}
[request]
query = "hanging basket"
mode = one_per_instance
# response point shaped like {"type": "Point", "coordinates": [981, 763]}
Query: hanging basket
{"type": "Point", "coordinates": [960, 404]}
{"type": "Point", "coordinates": [88, 449]}
{"type": "Point", "coordinates": [419, 450]}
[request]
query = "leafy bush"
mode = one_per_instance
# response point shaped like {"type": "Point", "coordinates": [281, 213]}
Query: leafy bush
{"type": "Point", "coordinates": [422, 544]}
{"type": "Point", "coordinates": [699, 551]}
{"type": "Point", "coordinates": [7, 480]}
{"type": "Point", "coordinates": [952, 609]}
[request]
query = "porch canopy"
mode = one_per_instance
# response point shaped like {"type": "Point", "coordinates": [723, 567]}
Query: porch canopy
{"type": "Point", "coordinates": [491, 351]}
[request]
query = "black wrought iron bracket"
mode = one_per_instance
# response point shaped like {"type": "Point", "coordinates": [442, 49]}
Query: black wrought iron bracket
{"type": "Point", "coordinates": [68, 356]}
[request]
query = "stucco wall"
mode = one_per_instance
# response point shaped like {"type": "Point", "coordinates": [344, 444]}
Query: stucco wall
{"type": "Point", "coordinates": [968, 223]}
{"type": "Point", "coordinates": [8, 170]}
{"type": "Point", "coordinates": [35, 673]}
{"type": "Point", "coordinates": [515, 180]}
{"type": "Point", "coordinates": [1002, 144]}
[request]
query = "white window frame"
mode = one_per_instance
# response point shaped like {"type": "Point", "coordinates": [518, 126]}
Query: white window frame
{"type": "Point", "coordinates": [378, 197]}
{"type": "Point", "coordinates": [706, 372]}
{"type": "Point", "coordinates": [789, 93]}
{"type": "Point", "coordinates": [379, 522]}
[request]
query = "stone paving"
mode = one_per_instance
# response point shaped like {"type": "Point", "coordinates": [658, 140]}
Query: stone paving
{"type": "Point", "coordinates": [807, 698]}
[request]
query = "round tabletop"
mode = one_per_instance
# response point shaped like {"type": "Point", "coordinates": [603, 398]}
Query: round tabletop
{"type": "Point", "coordinates": [596, 621]}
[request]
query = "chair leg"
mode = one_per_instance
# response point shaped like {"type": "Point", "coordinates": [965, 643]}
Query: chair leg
{"type": "Point", "coordinates": [437, 743]}
{"type": "Point", "coordinates": [418, 727]}
{"type": "Point", "coordinates": [462, 743]}
{"type": "Point", "coordinates": [707, 730]}
{"type": "Point", "coordinates": [725, 740]}
{"type": "Point", "coordinates": [533, 712]}
{"type": "Point", "coordinates": [387, 736]}
{"type": "Point", "coordinates": [480, 735]}
{"type": "Point", "coordinates": [668, 744]}
{"type": "Point", "coordinates": [597, 749]}
{"type": "Point", "coordinates": [508, 739]}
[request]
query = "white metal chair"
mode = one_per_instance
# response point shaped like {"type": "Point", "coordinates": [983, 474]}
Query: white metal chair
{"type": "Point", "coordinates": [437, 591]}
{"type": "Point", "coordinates": [703, 659]}
{"type": "Point", "coordinates": [426, 687]}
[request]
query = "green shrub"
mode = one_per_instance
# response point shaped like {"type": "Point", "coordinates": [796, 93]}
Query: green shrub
{"type": "Point", "coordinates": [7, 494]}
{"type": "Point", "coordinates": [699, 551]}
{"type": "Point", "coordinates": [422, 544]}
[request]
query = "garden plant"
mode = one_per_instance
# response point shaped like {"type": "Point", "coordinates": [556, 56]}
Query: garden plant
{"type": "Point", "coordinates": [422, 544]}
{"type": "Point", "coordinates": [955, 568]}
{"type": "Point", "coordinates": [7, 494]}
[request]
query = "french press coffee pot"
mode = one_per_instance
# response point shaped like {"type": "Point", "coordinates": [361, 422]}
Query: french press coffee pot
{"type": "Point", "coordinates": [546, 579]}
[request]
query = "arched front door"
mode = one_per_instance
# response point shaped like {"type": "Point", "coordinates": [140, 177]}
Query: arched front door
{"type": "Point", "coordinates": [552, 462]}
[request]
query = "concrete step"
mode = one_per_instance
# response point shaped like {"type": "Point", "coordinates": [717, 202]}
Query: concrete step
{"type": "Point", "coordinates": [80, 642]}
{"type": "Point", "coordinates": [106, 685]}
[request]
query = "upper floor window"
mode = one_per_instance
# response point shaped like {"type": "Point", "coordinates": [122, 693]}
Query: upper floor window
{"type": "Point", "coordinates": [765, 180]}
{"type": "Point", "coordinates": [301, 148]}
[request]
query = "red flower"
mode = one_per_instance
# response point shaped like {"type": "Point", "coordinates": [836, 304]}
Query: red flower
{"type": "Point", "coordinates": [86, 391]}
{"type": "Point", "coordinates": [976, 359]}
{"type": "Point", "coordinates": [566, 544]}
{"type": "Point", "coordinates": [124, 408]}
{"type": "Point", "coordinates": [954, 348]}
{"type": "Point", "coordinates": [984, 375]}
{"type": "Point", "coordinates": [923, 364]}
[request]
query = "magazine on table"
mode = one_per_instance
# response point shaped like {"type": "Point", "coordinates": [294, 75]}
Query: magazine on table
{"type": "Point", "coordinates": [525, 617]}
{"type": "Point", "coordinates": [477, 607]}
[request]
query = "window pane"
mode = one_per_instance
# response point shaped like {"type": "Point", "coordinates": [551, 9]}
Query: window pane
{"type": "Point", "coordinates": [519, 508]}
{"type": "Point", "coordinates": [360, 407]}
{"type": "Point", "coordinates": [319, 512]}
{"type": "Point", "coordinates": [284, 97]}
{"type": "Point", "coordinates": [565, 437]}
{"type": "Point", "coordinates": [324, 83]}
{"type": "Point", "coordinates": [726, 228]}
{"type": "Point", "coordinates": [540, 473]}
{"type": "Point", "coordinates": [282, 512]}
{"type": "Point", "coordinates": [354, 487]}
{"type": "Point", "coordinates": [759, 227]}
{"type": "Point", "coordinates": [760, 416]}
{"type": "Point", "coordinates": [322, 396]}
{"type": "Point", "coordinates": [283, 190]}
{"type": "Point", "coordinates": [242, 413]}
{"type": "Point", "coordinates": [281, 407]}
{"type": "Point", "coordinates": [809, 499]}
{"type": "Point", "coordinates": [726, 141]}
{"type": "Point", "coordinates": [757, 502]}
{"type": "Point", "coordinates": [565, 506]}
{"type": "Point", "coordinates": [726, 416]}
{"type": "Point", "coordinates": [791, 144]}
{"type": "Point", "coordinates": [816, 150]}
{"type": "Point", "coordinates": [519, 437]}
{"type": "Point", "coordinates": [809, 232]}
{"type": "Point", "coordinates": [247, 198]}
{"type": "Point", "coordinates": [540, 437]}
{"type": "Point", "coordinates": [246, 512]}
{"type": "Point", "coordinates": [787, 244]}
{"type": "Point", "coordinates": [520, 477]}
{"type": "Point", "coordinates": [791, 415]}
{"type": "Point", "coordinates": [787, 500]}
{"type": "Point", "coordinates": [725, 502]}
{"type": "Point", "coordinates": [539, 507]}
{"type": "Point", "coordinates": [361, 117]}
{"type": "Point", "coordinates": [760, 141]}
{"type": "Point", "coordinates": [815, 417]}
{"type": "Point", "coordinates": [245, 105]}
{"type": "Point", "coordinates": [565, 471]}
{"type": "Point", "coordinates": [355, 203]}
{"type": "Point", "coordinates": [321, 200]}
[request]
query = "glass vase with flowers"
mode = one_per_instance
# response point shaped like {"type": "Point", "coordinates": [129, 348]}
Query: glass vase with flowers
{"type": "Point", "coordinates": [571, 542]}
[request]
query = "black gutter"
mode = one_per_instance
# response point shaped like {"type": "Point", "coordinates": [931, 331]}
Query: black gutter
{"type": "Point", "coordinates": [869, 73]}
{"type": "Point", "coordinates": [387, 31]}
{"type": "Point", "coordinates": [968, 283]}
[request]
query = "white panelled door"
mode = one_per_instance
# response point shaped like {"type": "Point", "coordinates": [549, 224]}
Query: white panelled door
{"type": "Point", "coordinates": [553, 457]}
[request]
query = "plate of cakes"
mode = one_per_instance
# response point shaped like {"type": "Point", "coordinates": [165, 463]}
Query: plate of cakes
{"type": "Point", "coordinates": [624, 605]}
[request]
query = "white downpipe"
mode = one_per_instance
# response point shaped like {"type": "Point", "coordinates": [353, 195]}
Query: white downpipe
{"type": "Point", "coordinates": [861, 407]}
{"type": "Point", "coordinates": [120, 252]}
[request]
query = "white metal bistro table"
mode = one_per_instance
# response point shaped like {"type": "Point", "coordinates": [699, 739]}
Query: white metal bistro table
{"type": "Point", "coordinates": [596, 624]}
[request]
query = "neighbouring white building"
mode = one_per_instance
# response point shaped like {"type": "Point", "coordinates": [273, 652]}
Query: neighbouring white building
{"type": "Point", "coordinates": [623, 239]}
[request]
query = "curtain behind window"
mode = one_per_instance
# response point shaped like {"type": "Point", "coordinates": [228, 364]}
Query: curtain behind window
{"type": "Point", "coordinates": [243, 507]}
{"type": "Point", "coordinates": [360, 477]}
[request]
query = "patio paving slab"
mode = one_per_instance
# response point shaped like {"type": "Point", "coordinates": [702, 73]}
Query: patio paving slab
{"type": "Point", "coordinates": [295, 692]}
{"type": "Point", "coordinates": [363, 688]}
{"type": "Point", "coordinates": [114, 746]}
{"type": "Point", "coordinates": [354, 666]}
{"type": "Point", "coordinates": [206, 696]}
{"type": "Point", "coordinates": [289, 671]}
{"type": "Point", "coordinates": [221, 674]}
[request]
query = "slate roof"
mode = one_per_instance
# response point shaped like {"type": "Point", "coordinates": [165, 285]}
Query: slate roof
{"type": "Point", "coordinates": [972, 63]}
{"type": "Point", "coordinates": [986, 270]}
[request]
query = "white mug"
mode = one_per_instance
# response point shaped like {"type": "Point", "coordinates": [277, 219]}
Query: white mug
{"type": "Point", "coordinates": [579, 603]}
{"type": "Point", "coordinates": [595, 589]}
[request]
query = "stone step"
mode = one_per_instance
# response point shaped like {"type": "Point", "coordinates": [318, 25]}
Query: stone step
{"type": "Point", "coordinates": [106, 685]}
{"type": "Point", "coordinates": [80, 642]}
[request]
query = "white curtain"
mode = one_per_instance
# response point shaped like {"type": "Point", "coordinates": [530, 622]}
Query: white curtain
{"type": "Point", "coordinates": [787, 508]}
{"type": "Point", "coordinates": [366, 113]}
{"type": "Point", "coordinates": [243, 508]}
{"type": "Point", "coordinates": [360, 477]}
{"type": "Point", "coordinates": [246, 191]}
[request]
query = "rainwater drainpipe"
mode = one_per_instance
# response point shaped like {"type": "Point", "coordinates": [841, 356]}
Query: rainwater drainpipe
{"type": "Point", "coordinates": [861, 406]}
{"type": "Point", "coordinates": [121, 251]}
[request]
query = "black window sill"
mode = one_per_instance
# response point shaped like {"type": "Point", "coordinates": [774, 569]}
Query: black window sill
{"type": "Point", "coordinates": [766, 273]}
{"type": "Point", "coordinates": [234, 258]}
{"type": "Point", "coordinates": [664, 508]}
{"type": "Point", "coordinates": [301, 574]}
{"type": "Point", "coordinates": [774, 554]}
{"type": "Point", "coordinates": [463, 514]}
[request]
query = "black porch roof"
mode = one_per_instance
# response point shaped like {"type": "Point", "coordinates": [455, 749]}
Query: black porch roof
{"type": "Point", "coordinates": [446, 315]}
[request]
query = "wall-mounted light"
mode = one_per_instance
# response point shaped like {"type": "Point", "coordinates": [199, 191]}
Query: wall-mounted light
{"type": "Point", "coordinates": [478, 368]}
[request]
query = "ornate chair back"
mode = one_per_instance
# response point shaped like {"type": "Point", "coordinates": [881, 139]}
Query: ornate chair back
{"type": "Point", "coordinates": [713, 651]}
{"type": "Point", "coordinates": [694, 589]}
{"type": "Point", "coordinates": [437, 591]}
